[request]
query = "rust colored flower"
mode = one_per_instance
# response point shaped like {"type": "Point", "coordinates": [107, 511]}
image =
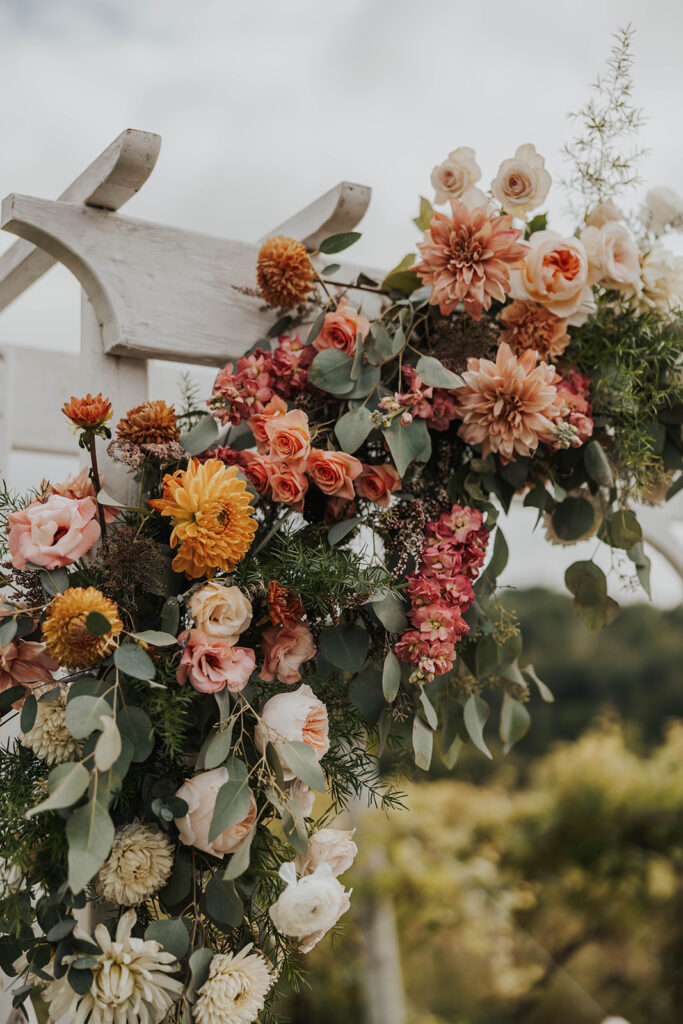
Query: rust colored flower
{"type": "Point", "coordinates": [530, 326]}
{"type": "Point", "coordinates": [284, 606]}
{"type": "Point", "coordinates": [88, 413]}
{"type": "Point", "coordinates": [467, 258]}
{"type": "Point", "coordinates": [65, 630]}
{"type": "Point", "coordinates": [213, 523]}
{"type": "Point", "coordinates": [508, 406]}
{"type": "Point", "coordinates": [284, 272]}
{"type": "Point", "coordinates": [149, 423]}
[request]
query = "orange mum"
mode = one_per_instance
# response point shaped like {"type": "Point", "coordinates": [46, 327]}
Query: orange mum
{"type": "Point", "coordinates": [149, 423]}
{"type": "Point", "coordinates": [284, 606]}
{"type": "Point", "coordinates": [65, 630]}
{"type": "Point", "coordinates": [213, 524]}
{"type": "Point", "coordinates": [284, 272]}
{"type": "Point", "coordinates": [88, 412]}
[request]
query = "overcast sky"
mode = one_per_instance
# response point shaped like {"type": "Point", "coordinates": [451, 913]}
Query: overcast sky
{"type": "Point", "coordinates": [264, 105]}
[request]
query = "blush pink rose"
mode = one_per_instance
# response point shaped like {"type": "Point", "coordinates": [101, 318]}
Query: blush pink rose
{"type": "Point", "coordinates": [289, 438]}
{"type": "Point", "coordinates": [286, 485]}
{"type": "Point", "coordinates": [257, 423]}
{"type": "Point", "coordinates": [341, 328]}
{"type": "Point", "coordinates": [295, 715]}
{"type": "Point", "coordinates": [23, 662]}
{"type": "Point", "coordinates": [284, 652]}
{"type": "Point", "coordinates": [377, 483]}
{"type": "Point", "coordinates": [80, 486]}
{"type": "Point", "coordinates": [200, 793]}
{"type": "Point", "coordinates": [334, 472]}
{"type": "Point", "coordinates": [53, 533]}
{"type": "Point", "coordinates": [212, 665]}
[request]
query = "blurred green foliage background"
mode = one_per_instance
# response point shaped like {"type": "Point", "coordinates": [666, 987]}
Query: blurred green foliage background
{"type": "Point", "coordinates": [545, 887]}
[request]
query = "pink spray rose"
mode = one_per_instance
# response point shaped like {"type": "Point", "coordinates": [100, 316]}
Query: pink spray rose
{"type": "Point", "coordinates": [211, 665]}
{"type": "Point", "coordinates": [284, 652]}
{"type": "Point", "coordinates": [53, 533]}
{"type": "Point", "coordinates": [340, 328]}
{"type": "Point", "coordinates": [257, 423]}
{"type": "Point", "coordinates": [377, 483]}
{"type": "Point", "coordinates": [334, 472]}
{"type": "Point", "coordinates": [286, 485]}
{"type": "Point", "coordinates": [289, 438]}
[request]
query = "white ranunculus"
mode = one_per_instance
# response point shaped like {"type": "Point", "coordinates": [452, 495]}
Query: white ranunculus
{"type": "Point", "coordinates": [522, 183]}
{"type": "Point", "coordinates": [613, 257]}
{"type": "Point", "coordinates": [455, 175]}
{"type": "Point", "coordinates": [297, 716]}
{"type": "Point", "coordinates": [219, 612]}
{"type": "Point", "coordinates": [308, 907]}
{"type": "Point", "coordinates": [662, 280]}
{"type": "Point", "coordinates": [332, 846]}
{"type": "Point", "coordinates": [663, 209]}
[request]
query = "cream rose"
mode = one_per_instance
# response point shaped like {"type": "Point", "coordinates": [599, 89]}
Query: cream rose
{"type": "Point", "coordinates": [199, 793]}
{"type": "Point", "coordinates": [308, 907]}
{"type": "Point", "coordinates": [555, 274]}
{"type": "Point", "coordinates": [331, 846]}
{"type": "Point", "coordinates": [220, 612]}
{"type": "Point", "coordinates": [613, 257]}
{"type": "Point", "coordinates": [663, 209]}
{"type": "Point", "coordinates": [452, 178]}
{"type": "Point", "coordinates": [297, 716]}
{"type": "Point", "coordinates": [662, 280]}
{"type": "Point", "coordinates": [603, 213]}
{"type": "Point", "coordinates": [522, 183]}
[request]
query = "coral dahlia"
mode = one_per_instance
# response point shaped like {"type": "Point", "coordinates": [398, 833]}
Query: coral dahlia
{"type": "Point", "coordinates": [508, 406]}
{"type": "Point", "coordinates": [466, 258]}
{"type": "Point", "coordinates": [213, 524]}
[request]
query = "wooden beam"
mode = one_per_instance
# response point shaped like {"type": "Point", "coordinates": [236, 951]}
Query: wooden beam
{"type": "Point", "coordinates": [340, 209]}
{"type": "Point", "coordinates": [109, 182]}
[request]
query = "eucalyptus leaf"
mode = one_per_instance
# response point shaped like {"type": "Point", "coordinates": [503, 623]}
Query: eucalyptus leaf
{"type": "Point", "coordinates": [108, 747]}
{"type": "Point", "coordinates": [514, 722]}
{"type": "Point", "coordinates": [135, 662]}
{"type": "Point", "coordinates": [389, 609]}
{"type": "Point", "coordinates": [97, 624]}
{"type": "Point", "coordinates": [222, 903]}
{"type": "Point", "coordinates": [428, 708]}
{"type": "Point", "coordinates": [407, 443]}
{"type": "Point", "coordinates": [391, 677]}
{"type": "Point", "coordinates": [545, 691]}
{"type": "Point", "coordinates": [239, 862]}
{"type": "Point", "coordinates": [331, 371]}
{"type": "Point", "coordinates": [423, 743]}
{"type": "Point", "coordinates": [218, 748]}
{"type": "Point", "coordinates": [27, 719]}
{"type": "Point", "coordinates": [201, 436]}
{"type": "Point", "coordinates": [155, 638]}
{"type": "Point", "coordinates": [66, 784]}
{"type": "Point", "coordinates": [341, 529]}
{"type": "Point", "coordinates": [8, 631]}
{"type": "Point", "coordinates": [339, 242]}
{"type": "Point", "coordinates": [85, 714]}
{"type": "Point", "coordinates": [233, 800]}
{"type": "Point", "coordinates": [434, 374]}
{"type": "Point", "coordinates": [136, 726]}
{"type": "Point", "coordinates": [170, 616]}
{"type": "Point", "coordinates": [475, 715]}
{"type": "Point", "coordinates": [302, 760]}
{"type": "Point", "coordinates": [353, 428]}
{"type": "Point", "coordinates": [345, 646]}
{"type": "Point", "coordinates": [89, 833]}
{"type": "Point", "coordinates": [171, 933]}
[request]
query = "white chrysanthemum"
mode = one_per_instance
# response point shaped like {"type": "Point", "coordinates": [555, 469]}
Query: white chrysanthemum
{"type": "Point", "coordinates": [139, 864]}
{"type": "Point", "coordinates": [661, 280]}
{"type": "Point", "coordinates": [49, 739]}
{"type": "Point", "coordinates": [236, 989]}
{"type": "Point", "coordinates": [130, 982]}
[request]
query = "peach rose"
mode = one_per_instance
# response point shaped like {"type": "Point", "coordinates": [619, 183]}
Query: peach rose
{"type": "Point", "coordinates": [23, 662]}
{"type": "Point", "coordinates": [199, 793]}
{"type": "Point", "coordinates": [555, 273]}
{"type": "Point", "coordinates": [286, 485]}
{"type": "Point", "coordinates": [331, 846]}
{"type": "Point", "coordinates": [213, 665]}
{"type": "Point", "coordinates": [522, 183]}
{"type": "Point", "coordinates": [221, 613]}
{"type": "Point", "coordinates": [256, 471]}
{"type": "Point", "coordinates": [257, 423]}
{"type": "Point", "coordinates": [53, 533]}
{"type": "Point", "coordinates": [284, 652]}
{"type": "Point", "coordinates": [341, 328]}
{"type": "Point", "coordinates": [80, 486]}
{"type": "Point", "coordinates": [378, 483]}
{"type": "Point", "coordinates": [333, 472]}
{"type": "Point", "coordinates": [458, 172]}
{"type": "Point", "coordinates": [297, 716]}
{"type": "Point", "coordinates": [613, 257]}
{"type": "Point", "coordinates": [289, 438]}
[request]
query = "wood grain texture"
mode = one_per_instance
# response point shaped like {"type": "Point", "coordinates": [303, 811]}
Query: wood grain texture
{"type": "Point", "coordinates": [110, 181]}
{"type": "Point", "coordinates": [340, 209]}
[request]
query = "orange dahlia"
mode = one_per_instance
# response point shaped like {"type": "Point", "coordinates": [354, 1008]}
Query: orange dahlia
{"type": "Point", "coordinates": [65, 629]}
{"type": "Point", "coordinates": [88, 412]}
{"type": "Point", "coordinates": [284, 606]}
{"type": "Point", "coordinates": [508, 406]}
{"type": "Point", "coordinates": [528, 325]}
{"type": "Point", "coordinates": [149, 423]}
{"type": "Point", "coordinates": [213, 523]}
{"type": "Point", "coordinates": [467, 257]}
{"type": "Point", "coordinates": [284, 272]}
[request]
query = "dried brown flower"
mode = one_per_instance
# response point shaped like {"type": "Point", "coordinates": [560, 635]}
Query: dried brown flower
{"type": "Point", "coordinates": [284, 272]}
{"type": "Point", "coordinates": [459, 337]}
{"type": "Point", "coordinates": [133, 565]}
{"type": "Point", "coordinates": [151, 423]}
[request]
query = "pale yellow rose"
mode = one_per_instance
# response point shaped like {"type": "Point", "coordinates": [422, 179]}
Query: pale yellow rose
{"type": "Point", "coordinates": [458, 172]}
{"type": "Point", "coordinates": [522, 183]}
{"type": "Point", "coordinates": [220, 612]}
{"type": "Point", "coordinates": [613, 257]}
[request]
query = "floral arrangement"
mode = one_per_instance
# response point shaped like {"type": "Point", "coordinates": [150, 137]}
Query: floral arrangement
{"type": "Point", "coordinates": [307, 580]}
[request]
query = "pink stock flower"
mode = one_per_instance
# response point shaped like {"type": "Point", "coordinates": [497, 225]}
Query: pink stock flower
{"type": "Point", "coordinates": [289, 438]}
{"type": "Point", "coordinates": [467, 257]}
{"type": "Point", "coordinates": [54, 533]}
{"type": "Point", "coordinates": [334, 472]}
{"type": "Point", "coordinates": [412, 646]}
{"type": "Point", "coordinates": [23, 662]}
{"type": "Point", "coordinates": [212, 665]}
{"type": "Point", "coordinates": [441, 557]}
{"type": "Point", "coordinates": [457, 524]}
{"type": "Point", "coordinates": [341, 328]}
{"type": "Point", "coordinates": [290, 362]}
{"type": "Point", "coordinates": [575, 407]}
{"type": "Point", "coordinates": [284, 652]}
{"type": "Point", "coordinates": [378, 483]}
{"type": "Point", "coordinates": [439, 621]}
{"type": "Point", "coordinates": [508, 406]}
{"type": "Point", "coordinates": [286, 485]}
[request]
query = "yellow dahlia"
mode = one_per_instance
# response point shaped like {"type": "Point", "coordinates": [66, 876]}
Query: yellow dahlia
{"type": "Point", "coordinates": [66, 635]}
{"type": "Point", "coordinates": [213, 524]}
{"type": "Point", "coordinates": [284, 272]}
{"type": "Point", "coordinates": [149, 423]}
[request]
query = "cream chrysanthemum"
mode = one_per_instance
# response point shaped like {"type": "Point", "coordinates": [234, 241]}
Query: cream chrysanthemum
{"type": "Point", "coordinates": [130, 982]}
{"type": "Point", "coordinates": [139, 864]}
{"type": "Point", "coordinates": [236, 989]}
{"type": "Point", "coordinates": [49, 739]}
